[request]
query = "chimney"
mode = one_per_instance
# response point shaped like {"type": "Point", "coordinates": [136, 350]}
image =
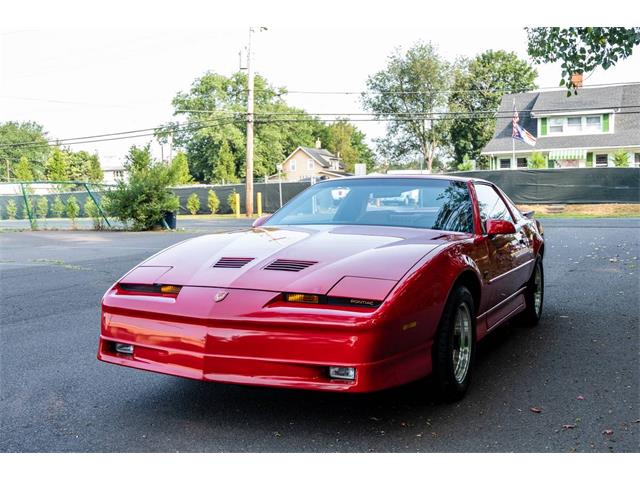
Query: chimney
{"type": "Point", "coordinates": [318, 143]}
{"type": "Point", "coordinates": [576, 79]}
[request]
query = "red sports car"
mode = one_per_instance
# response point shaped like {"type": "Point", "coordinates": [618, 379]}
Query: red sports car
{"type": "Point", "coordinates": [357, 284]}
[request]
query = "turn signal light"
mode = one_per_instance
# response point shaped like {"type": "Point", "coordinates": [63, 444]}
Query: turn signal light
{"type": "Point", "coordinates": [153, 290]}
{"type": "Point", "coordinates": [170, 289]}
{"type": "Point", "coordinates": [302, 298]}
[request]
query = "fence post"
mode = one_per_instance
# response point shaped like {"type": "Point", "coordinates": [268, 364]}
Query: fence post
{"type": "Point", "coordinates": [236, 201]}
{"type": "Point", "coordinates": [97, 204]}
{"type": "Point", "coordinates": [34, 226]}
{"type": "Point", "coordinates": [259, 203]}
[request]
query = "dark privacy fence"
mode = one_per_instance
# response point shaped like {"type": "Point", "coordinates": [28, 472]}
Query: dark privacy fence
{"type": "Point", "coordinates": [270, 195]}
{"type": "Point", "coordinates": [567, 185]}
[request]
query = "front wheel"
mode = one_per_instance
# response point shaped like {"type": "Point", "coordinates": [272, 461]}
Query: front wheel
{"type": "Point", "coordinates": [534, 295]}
{"type": "Point", "coordinates": [454, 346]}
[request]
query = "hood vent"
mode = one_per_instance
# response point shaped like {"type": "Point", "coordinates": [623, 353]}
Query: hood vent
{"type": "Point", "coordinates": [232, 262]}
{"type": "Point", "coordinates": [289, 265]}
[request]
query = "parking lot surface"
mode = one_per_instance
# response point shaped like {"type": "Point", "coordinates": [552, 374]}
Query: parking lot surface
{"type": "Point", "coordinates": [578, 370]}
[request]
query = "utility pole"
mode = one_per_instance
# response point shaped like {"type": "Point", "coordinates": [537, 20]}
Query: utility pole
{"type": "Point", "coordinates": [250, 81]}
{"type": "Point", "coordinates": [249, 179]}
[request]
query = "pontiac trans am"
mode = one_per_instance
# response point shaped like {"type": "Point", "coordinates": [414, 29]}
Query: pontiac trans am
{"type": "Point", "coordinates": [342, 289]}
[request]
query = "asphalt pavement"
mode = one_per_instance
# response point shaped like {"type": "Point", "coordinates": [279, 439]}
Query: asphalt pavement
{"type": "Point", "coordinates": [571, 384]}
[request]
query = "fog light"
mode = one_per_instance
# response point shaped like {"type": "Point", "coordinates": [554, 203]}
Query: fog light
{"type": "Point", "coordinates": [124, 348]}
{"type": "Point", "coordinates": [342, 373]}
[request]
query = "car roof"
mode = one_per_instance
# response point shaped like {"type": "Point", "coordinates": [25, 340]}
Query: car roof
{"type": "Point", "coordinates": [410, 176]}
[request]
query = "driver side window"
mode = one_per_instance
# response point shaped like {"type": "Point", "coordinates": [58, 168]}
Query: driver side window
{"type": "Point", "coordinates": [491, 205]}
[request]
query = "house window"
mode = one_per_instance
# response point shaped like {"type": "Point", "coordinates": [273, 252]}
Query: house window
{"type": "Point", "coordinates": [310, 164]}
{"type": "Point", "coordinates": [602, 160]}
{"type": "Point", "coordinates": [292, 165]}
{"type": "Point", "coordinates": [593, 124]}
{"type": "Point", "coordinates": [522, 163]}
{"type": "Point", "coordinates": [574, 124]}
{"type": "Point", "coordinates": [505, 163]}
{"type": "Point", "coordinates": [556, 125]}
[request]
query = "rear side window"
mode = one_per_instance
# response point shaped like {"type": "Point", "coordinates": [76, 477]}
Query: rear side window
{"type": "Point", "coordinates": [490, 204]}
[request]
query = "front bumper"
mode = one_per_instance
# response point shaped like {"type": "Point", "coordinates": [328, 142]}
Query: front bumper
{"type": "Point", "coordinates": [283, 349]}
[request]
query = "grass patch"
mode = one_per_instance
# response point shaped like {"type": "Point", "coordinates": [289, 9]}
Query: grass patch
{"type": "Point", "coordinates": [603, 210]}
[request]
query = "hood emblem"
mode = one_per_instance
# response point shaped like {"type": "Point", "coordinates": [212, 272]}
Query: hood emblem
{"type": "Point", "coordinates": [221, 295]}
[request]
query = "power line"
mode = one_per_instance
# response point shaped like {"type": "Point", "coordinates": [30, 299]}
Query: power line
{"type": "Point", "coordinates": [423, 92]}
{"type": "Point", "coordinates": [476, 112]}
{"type": "Point", "coordinates": [152, 130]}
{"type": "Point", "coordinates": [272, 117]}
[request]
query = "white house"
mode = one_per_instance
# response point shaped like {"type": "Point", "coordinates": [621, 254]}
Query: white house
{"type": "Point", "coordinates": [582, 130]}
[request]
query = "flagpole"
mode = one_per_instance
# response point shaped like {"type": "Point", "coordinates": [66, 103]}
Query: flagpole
{"type": "Point", "coordinates": [513, 140]}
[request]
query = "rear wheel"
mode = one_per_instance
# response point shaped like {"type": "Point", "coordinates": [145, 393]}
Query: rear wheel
{"type": "Point", "coordinates": [454, 347]}
{"type": "Point", "coordinates": [534, 296]}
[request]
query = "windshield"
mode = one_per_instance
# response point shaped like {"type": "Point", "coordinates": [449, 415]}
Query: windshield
{"type": "Point", "coordinates": [394, 202]}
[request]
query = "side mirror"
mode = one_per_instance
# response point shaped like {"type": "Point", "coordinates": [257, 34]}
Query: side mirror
{"type": "Point", "coordinates": [500, 227]}
{"type": "Point", "coordinates": [258, 222]}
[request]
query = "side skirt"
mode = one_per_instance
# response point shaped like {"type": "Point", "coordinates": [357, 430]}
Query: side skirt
{"type": "Point", "coordinates": [501, 312]}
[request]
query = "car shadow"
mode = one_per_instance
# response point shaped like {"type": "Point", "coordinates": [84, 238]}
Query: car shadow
{"type": "Point", "coordinates": [209, 404]}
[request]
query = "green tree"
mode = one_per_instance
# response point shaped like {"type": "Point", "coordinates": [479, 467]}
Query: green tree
{"type": "Point", "coordinates": [537, 160]}
{"type": "Point", "coordinates": [56, 167]}
{"type": "Point", "coordinates": [409, 94]}
{"type": "Point", "coordinates": [72, 209]}
{"type": "Point", "coordinates": [180, 169]}
{"type": "Point", "coordinates": [84, 166]}
{"type": "Point", "coordinates": [42, 207]}
{"type": "Point", "coordinates": [232, 202]}
{"type": "Point", "coordinates": [215, 139]}
{"type": "Point", "coordinates": [581, 49]}
{"type": "Point", "coordinates": [193, 203]}
{"type": "Point", "coordinates": [11, 209]}
{"type": "Point", "coordinates": [17, 140]}
{"type": "Point", "coordinates": [213, 202]}
{"type": "Point", "coordinates": [344, 139]}
{"type": "Point", "coordinates": [91, 210]}
{"type": "Point", "coordinates": [478, 87]}
{"type": "Point", "coordinates": [57, 207]}
{"type": "Point", "coordinates": [22, 170]}
{"type": "Point", "coordinates": [621, 158]}
{"type": "Point", "coordinates": [224, 169]}
{"type": "Point", "coordinates": [144, 197]}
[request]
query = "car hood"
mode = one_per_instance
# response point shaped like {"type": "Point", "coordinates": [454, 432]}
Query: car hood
{"type": "Point", "coordinates": [338, 251]}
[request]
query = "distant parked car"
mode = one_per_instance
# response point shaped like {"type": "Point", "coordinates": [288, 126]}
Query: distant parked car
{"type": "Point", "coordinates": [351, 296]}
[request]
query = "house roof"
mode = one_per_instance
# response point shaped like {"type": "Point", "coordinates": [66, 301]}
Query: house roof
{"type": "Point", "coordinates": [323, 156]}
{"type": "Point", "coordinates": [621, 99]}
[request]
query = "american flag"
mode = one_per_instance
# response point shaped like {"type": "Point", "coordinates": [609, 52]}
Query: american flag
{"type": "Point", "coordinates": [520, 133]}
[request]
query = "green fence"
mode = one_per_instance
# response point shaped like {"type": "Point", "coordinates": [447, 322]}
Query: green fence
{"type": "Point", "coordinates": [566, 185]}
{"type": "Point", "coordinates": [26, 196]}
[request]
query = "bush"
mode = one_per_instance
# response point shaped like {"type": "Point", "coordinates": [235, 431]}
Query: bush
{"type": "Point", "coordinates": [57, 207]}
{"type": "Point", "coordinates": [212, 201]}
{"type": "Point", "coordinates": [73, 209]}
{"type": "Point", "coordinates": [537, 160]}
{"type": "Point", "coordinates": [91, 210]}
{"type": "Point", "coordinates": [42, 207]}
{"type": "Point", "coordinates": [466, 165]}
{"type": "Point", "coordinates": [11, 209]}
{"type": "Point", "coordinates": [621, 159]}
{"type": "Point", "coordinates": [193, 203]}
{"type": "Point", "coordinates": [144, 198]}
{"type": "Point", "coordinates": [231, 201]}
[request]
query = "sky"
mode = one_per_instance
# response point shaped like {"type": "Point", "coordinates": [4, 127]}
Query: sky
{"type": "Point", "coordinates": [112, 78]}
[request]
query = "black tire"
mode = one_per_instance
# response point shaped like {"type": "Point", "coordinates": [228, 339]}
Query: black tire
{"type": "Point", "coordinates": [451, 386]}
{"type": "Point", "coordinates": [532, 314]}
